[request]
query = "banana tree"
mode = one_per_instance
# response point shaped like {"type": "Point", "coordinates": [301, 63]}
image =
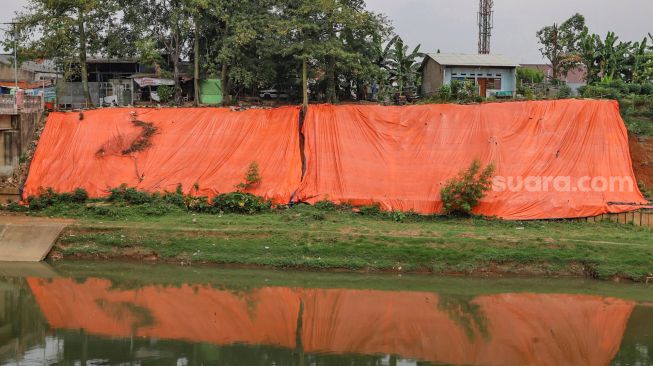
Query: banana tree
{"type": "Point", "coordinates": [613, 56]}
{"type": "Point", "coordinates": [403, 65]}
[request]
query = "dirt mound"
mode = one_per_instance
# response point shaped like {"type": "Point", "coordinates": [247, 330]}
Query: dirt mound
{"type": "Point", "coordinates": [641, 150]}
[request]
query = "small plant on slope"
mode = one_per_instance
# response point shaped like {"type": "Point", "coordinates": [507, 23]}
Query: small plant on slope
{"type": "Point", "coordinates": [461, 194]}
{"type": "Point", "coordinates": [252, 178]}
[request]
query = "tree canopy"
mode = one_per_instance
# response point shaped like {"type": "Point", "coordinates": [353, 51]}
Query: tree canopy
{"type": "Point", "coordinates": [571, 45]}
{"type": "Point", "coordinates": [248, 44]}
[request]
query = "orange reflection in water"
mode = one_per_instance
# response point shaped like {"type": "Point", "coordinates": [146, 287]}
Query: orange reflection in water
{"type": "Point", "coordinates": [504, 329]}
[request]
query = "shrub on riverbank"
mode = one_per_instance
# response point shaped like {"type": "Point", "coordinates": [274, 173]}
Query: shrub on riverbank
{"type": "Point", "coordinates": [461, 194]}
{"type": "Point", "coordinates": [127, 201]}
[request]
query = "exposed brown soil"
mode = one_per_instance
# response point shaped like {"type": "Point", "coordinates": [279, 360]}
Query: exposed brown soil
{"type": "Point", "coordinates": [641, 150]}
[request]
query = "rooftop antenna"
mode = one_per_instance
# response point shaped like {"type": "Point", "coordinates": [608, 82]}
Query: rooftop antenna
{"type": "Point", "coordinates": [485, 25]}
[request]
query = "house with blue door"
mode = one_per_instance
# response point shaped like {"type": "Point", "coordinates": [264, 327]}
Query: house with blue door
{"type": "Point", "coordinates": [494, 75]}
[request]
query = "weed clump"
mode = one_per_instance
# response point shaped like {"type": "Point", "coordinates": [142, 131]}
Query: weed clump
{"type": "Point", "coordinates": [124, 194]}
{"type": "Point", "coordinates": [370, 210]}
{"type": "Point", "coordinates": [238, 202]}
{"type": "Point", "coordinates": [252, 178]}
{"type": "Point", "coordinates": [49, 197]}
{"type": "Point", "coordinates": [461, 194]}
{"type": "Point", "coordinates": [326, 205]}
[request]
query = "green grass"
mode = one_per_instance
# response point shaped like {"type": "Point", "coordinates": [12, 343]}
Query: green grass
{"type": "Point", "coordinates": [637, 112]}
{"type": "Point", "coordinates": [306, 237]}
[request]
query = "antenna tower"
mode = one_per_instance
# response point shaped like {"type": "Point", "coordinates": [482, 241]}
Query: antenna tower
{"type": "Point", "coordinates": [485, 25]}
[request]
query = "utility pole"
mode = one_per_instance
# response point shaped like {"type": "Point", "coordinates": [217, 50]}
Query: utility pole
{"type": "Point", "coordinates": [15, 56]}
{"type": "Point", "coordinates": [485, 25]}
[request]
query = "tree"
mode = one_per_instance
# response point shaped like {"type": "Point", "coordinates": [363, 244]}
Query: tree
{"type": "Point", "coordinates": [589, 55]}
{"type": "Point", "coordinates": [560, 44]}
{"type": "Point", "coordinates": [166, 26]}
{"type": "Point", "coordinates": [403, 65]}
{"type": "Point", "coordinates": [67, 31]}
{"type": "Point", "coordinates": [332, 36]}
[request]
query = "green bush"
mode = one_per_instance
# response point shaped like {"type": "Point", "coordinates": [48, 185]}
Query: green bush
{"type": "Point", "coordinates": [199, 204]}
{"type": "Point", "coordinates": [634, 88]}
{"type": "Point", "coordinates": [647, 89]}
{"type": "Point", "coordinates": [397, 216]}
{"type": "Point", "coordinates": [456, 87]}
{"type": "Point", "coordinates": [326, 205]}
{"type": "Point", "coordinates": [596, 91]}
{"type": "Point", "coordinates": [643, 101]}
{"type": "Point", "coordinates": [16, 207]}
{"type": "Point", "coordinates": [130, 195]}
{"type": "Point", "coordinates": [444, 94]}
{"type": "Point", "coordinates": [370, 210]}
{"type": "Point", "coordinates": [616, 84]}
{"type": "Point", "coordinates": [49, 197]}
{"type": "Point", "coordinates": [461, 194]}
{"type": "Point", "coordinates": [564, 92]}
{"type": "Point", "coordinates": [166, 93]}
{"type": "Point", "coordinates": [238, 202]}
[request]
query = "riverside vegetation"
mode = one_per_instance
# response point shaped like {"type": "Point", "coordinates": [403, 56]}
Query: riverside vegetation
{"type": "Point", "coordinates": [240, 228]}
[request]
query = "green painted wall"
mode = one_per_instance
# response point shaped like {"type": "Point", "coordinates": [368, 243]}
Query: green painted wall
{"type": "Point", "coordinates": [210, 91]}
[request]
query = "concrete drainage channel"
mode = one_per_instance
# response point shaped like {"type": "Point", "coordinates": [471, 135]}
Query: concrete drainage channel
{"type": "Point", "coordinates": [28, 239]}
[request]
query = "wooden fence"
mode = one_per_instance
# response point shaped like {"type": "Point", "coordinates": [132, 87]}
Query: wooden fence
{"type": "Point", "coordinates": [637, 218]}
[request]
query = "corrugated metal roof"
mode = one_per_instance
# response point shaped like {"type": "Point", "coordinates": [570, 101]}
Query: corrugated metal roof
{"type": "Point", "coordinates": [461, 59]}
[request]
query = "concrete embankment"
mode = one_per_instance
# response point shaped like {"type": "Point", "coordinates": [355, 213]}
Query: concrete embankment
{"type": "Point", "coordinates": [28, 239]}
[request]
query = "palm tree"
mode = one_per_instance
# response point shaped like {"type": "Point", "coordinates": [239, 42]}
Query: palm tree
{"type": "Point", "coordinates": [403, 66]}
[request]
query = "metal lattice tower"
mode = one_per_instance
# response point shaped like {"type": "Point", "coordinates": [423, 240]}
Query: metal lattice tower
{"type": "Point", "coordinates": [485, 25]}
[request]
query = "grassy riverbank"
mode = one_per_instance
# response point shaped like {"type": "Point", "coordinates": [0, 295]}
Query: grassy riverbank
{"type": "Point", "coordinates": [312, 238]}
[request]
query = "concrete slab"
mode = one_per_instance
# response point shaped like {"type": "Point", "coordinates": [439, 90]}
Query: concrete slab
{"type": "Point", "coordinates": [26, 239]}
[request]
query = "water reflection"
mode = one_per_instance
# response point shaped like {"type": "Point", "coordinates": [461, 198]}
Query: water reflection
{"type": "Point", "coordinates": [96, 321]}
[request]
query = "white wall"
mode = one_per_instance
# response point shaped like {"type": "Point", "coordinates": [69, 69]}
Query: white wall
{"type": "Point", "coordinates": [508, 76]}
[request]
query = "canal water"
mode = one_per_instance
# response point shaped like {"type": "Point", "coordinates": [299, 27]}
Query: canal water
{"type": "Point", "coordinates": [128, 314]}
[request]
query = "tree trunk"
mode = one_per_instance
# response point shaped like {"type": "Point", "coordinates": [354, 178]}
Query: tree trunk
{"type": "Point", "coordinates": [555, 69]}
{"type": "Point", "coordinates": [196, 55]}
{"type": "Point", "coordinates": [224, 82]}
{"type": "Point", "coordinates": [175, 75]}
{"type": "Point", "coordinates": [175, 66]}
{"type": "Point", "coordinates": [305, 85]}
{"type": "Point", "coordinates": [331, 80]}
{"type": "Point", "coordinates": [82, 60]}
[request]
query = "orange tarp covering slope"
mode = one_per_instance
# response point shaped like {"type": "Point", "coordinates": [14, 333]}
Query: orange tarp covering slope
{"type": "Point", "coordinates": [212, 147]}
{"type": "Point", "coordinates": [401, 156]}
{"type": "Point", "coordinates": [507, 329]}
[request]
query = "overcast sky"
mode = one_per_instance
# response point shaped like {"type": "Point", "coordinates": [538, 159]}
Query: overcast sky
{"type": "Point", "coordinates": [450, 25]}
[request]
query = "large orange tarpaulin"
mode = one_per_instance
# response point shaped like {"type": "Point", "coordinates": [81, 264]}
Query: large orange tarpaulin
{"type": "Point", "coordinates": [210, 147]}
{"type": "Point", "coordinates": [401, 156]}
{"type": "Point", "coordinates": [505, 329]}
